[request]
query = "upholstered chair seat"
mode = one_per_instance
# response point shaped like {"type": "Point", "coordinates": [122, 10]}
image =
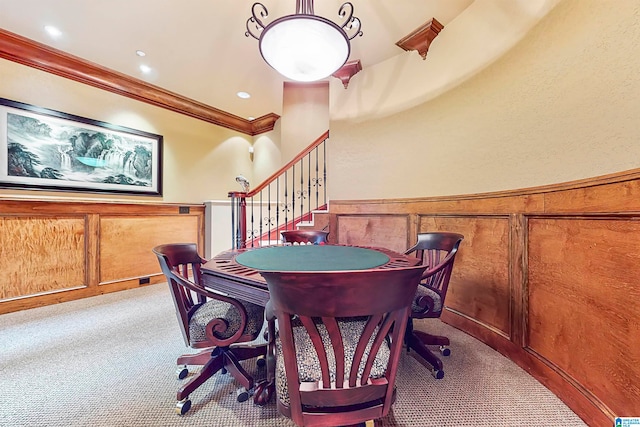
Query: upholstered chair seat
{"type": "Point", "coordinates": [427, 301]}
{"type": "Point", "coordinates": [214, 309]}
{"type": "Point", "coordinates": [308, 365]}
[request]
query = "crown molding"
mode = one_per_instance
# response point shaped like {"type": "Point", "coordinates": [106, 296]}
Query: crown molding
{"type": "Point", "coordinates": [42, 57]}
{"type": "Point", "coordinates": [264, 123]}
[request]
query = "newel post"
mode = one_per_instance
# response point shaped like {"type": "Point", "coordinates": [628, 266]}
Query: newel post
{"type": "Point", "coordinates": [238, 219]}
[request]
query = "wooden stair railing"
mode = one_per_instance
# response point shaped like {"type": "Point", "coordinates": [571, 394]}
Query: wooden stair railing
{"type": "Point", "coordinates": [283, 200]}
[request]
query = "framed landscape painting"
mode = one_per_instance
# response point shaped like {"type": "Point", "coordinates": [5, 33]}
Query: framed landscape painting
{"type": "Point", "coordinates": [49, 150]}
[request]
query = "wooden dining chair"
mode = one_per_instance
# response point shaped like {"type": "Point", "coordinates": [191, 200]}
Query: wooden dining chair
{"type": "Point", "coordinates": [437, 250]}
{"type": "Point", "coordinates": [339, 342]}
{"type": "Point", "coordinates": [304, 237]}
{"type": "Point", "coordinates": [210, 322]}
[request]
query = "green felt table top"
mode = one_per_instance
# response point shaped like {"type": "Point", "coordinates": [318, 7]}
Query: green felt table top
{"type": "Point", "coordinates": [312, 258]}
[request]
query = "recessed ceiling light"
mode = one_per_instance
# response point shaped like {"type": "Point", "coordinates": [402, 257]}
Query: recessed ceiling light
{"type": "Point", "coordinates": [145, 69]}
{"type": "Point", "coordinates": [243, 95]}
{"type": "Point", "coordinates": [140, 53]}
{"type": "Point", "coordinates": [53, 31]}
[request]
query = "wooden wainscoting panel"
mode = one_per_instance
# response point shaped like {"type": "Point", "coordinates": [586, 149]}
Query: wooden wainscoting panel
{"type": "Point", "coordinates": [41, 254]}
{"type": "Point", "coordinates": [387, 231]}
{"type": "Point", "coordinates": [479, 286]}
{"type": "Point", "coordinates": [495, 205]}
{"type": "Point", "coordinates": [126, 243]}
{"type": "Point", "coordinates": [611, 197]}
{"type": "Point", "coordinates": [583, 310]}
{"type": "Point", "coordinates": [502, 203]}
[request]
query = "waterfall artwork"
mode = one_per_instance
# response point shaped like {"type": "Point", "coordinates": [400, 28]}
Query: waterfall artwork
{"type": "Point", "coordinates": [50, 150]}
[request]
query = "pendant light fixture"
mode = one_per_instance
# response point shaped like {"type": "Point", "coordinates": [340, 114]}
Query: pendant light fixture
{"type": "Point", "coordinates": [304, 47]}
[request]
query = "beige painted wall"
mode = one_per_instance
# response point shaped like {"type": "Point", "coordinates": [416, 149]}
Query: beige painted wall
{"type": "Point", "coordinates": [267, 155]}
{"type": "Point", "coordinates": [305, 116]}
{"type": "Point", "coordinates": [561, 105]}
{"type": "Point", "coordinates": [201, 160]}
{"type": "Point", "coordinates": [477, 37]}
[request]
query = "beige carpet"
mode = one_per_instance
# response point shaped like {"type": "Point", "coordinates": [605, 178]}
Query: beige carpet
{"type": "Point", "coordinates": [110, 361]}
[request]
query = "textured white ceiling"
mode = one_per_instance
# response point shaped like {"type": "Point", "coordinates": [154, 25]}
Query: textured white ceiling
{"type": "Point", "coordinates": [198, 48]}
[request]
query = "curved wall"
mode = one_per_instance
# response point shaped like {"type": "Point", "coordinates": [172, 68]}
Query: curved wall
{"type": "Point", "coordinates": [469, 42]}
{"type": "Point", "coordinates": [548, 276]}
{"type": "Point", "coordinates": [546, 273]}
{"type": "Point", "coordinates": [561, 105]}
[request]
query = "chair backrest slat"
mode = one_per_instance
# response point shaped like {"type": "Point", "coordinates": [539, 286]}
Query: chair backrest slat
{"type": "Point", "coordinates": [369, 329]}
{"type": "Point", "coordinates": [318, 345]}
{"type": "Point", "coordinates": [335, 337]}
{"type": "Point", "coordinates": [379, 339]}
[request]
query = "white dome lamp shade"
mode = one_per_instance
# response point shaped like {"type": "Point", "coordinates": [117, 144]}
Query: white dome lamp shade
{"type": "Point", "coordinates": [304, 47]}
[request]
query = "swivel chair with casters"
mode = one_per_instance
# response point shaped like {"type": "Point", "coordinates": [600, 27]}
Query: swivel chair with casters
{"type": "Point", "coordinates": [437, 251]}
{"type": "Point", "coordinates": [336, 361]}
{"type": "Point", "coordinates": [210, 322]}
{"type": "Point", "coordinates": [304, 237]}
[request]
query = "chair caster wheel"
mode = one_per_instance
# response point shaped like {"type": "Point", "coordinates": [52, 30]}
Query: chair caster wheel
{"type": "Point", "coordinates": [183, 406]}
{"type": "Point", "coordinates": [437, 374]}
{"type": "Point", "coordinates": [261, 361]}
{"type": "Point", "coordinates": [182, 372]}
{"type": "Point", "coordinates": [444, 350]}
{"type": "Point", "coordinates": [242, 395]}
